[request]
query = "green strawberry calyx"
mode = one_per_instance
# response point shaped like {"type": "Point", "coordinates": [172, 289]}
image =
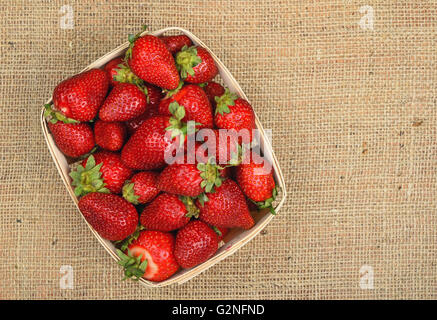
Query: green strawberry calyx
{"type": "Point", "coordinates": [88, 179]}
{"type": "Point", "coordinates": [129, 192]}
{"type": "Point", "coordinates": [202, 198]}
{"type": "Point", "coordinates": [224, 101]}
{"type": "Point", "coordinates": [132, 38]}
{"type": "Point", "coordinates": [192, 210]}
{"type": "Point", "coordinates": [54, 116]}
{"type": "Point", "coordinates": [177, 127]}
{"type": "Point", "coordinates": [216, 230]}
{"type": "Point", "coordinates": [124, 244]}
{"type": "Point", "coordinates": [268, 203]}
{"type": "Point", "coordinates": [186, 60]}
{"type": "Point", "coordinates": [170, 93]}
{"type": "Point", "coordinates": [125, 74]}
{"type": "Point", "coordinates": [133, 267]}
{"type": "Point", "coordinates": [210, 173]}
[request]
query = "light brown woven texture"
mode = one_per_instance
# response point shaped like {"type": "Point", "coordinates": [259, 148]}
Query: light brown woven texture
{"type": "Point", "coordinates": [353, 114]}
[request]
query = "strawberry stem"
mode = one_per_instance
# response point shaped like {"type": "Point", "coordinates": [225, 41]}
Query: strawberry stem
{"type": "Point", "coordinates": [210, 173]}
{"type": "Point", "coordinates": [88, 179]}
{"type": "Point", "coordinates": [192, 210]}
{"type": "Point", "coordinates": [133, 267]}
{"type": "Point", "coordinates": [268, 203]}
{"type": "Point", "coordinates": [186, 60]}
{"type": "Point", "coordinates": [224, 101]}
{"type": "Point", "coordinates": [125, 74]}
{"type": "Point", "coordinates": [126, 242]}
{"type": "Point", "coordinates": [129, 192]}
{"type": "Point", "coordinates": [54, 116]}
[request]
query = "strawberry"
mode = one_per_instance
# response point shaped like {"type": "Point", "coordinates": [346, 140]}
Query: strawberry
{"type": "Point", "coordinates": [221, 232]}
{"type": "Point", "coordinates": [149, 256]}
{"type": "Point", "coordinates": [255, 178]}
{"type": "Point", "coordinates": [176, 43]}
{"type": "Point", "coordinates": [154, 96]}
{"type": "Point", "coordinates": [126, 101]}
{"type": "Point", "coordinates": [212, 90]}
{"type": "Point", "coordinates": [110, 135]}
{"type": "Point", "coordinates": [74, 139]}
{"type": "Point", "coordinates": [101, 172]}
{"type": "Point", "coordinates": [195, 103]}
{"type": "Point", "coordinates": [149, 59]}
{"type": "Point", "coordinates": [110, 215]}
{"type": "Point", "coordinates": [168, 212]}
{"type": "Point", "coordinates": [233, 113]}
{"type": "Point", "coordinates": [195, 243]}
{"type": "Point", "coordinates": [195, 64]}
{"type": "Point", "coordinates": [112, 68]}
{"type": "Point", "coordinates": [81, 96]}
{"type": "Point", "coordinates": [118, 72]}
{"type": "Point", "coordinates": [189, 179]}
{"type": "Point", "coordinates": [146, 148]}
{"type": "Point", "coordinates": [141, 188]}
{"type": "Point", "coordinates": [226, 207]}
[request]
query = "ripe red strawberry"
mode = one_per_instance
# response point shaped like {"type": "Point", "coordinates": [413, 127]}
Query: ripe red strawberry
{"type": "Point", "coordinates": [149, 58]}
{"type": "Point", "coordinates": [221, 232]}
{"type": "Point", "coordinates": [150, 256]}
{"type": "Point", "coordinates": [176, 43]}
{"type": "Point", "coordinates": [110, 215]}
{"type": "Point", "coordinates": [195, 102]}
{"type": "Point", "coordinates": [189, 179]}
{"type": "Point", "coordinates": [112, 68]}
{"type": "Point", "coordinates": [212, 90]}
{"type": "Point", "coordinates": [146, 148]}
{"type": "Point", "coordinates": [100, 172]}
{"type": "Point", "coordinates": [74, 139]}
{"type": "Point", "coordinates": [141, 188]}
{"type": "Point", "coordinates": [110, 135]}
{"type": "Point", "coordinates": [255, 178]}
{"type": "Point", "coordinates": [196, 64]}
{"type": "Point", "coordinates": [168, 212]}
{"type": "Point", "coordinates": [235, 113]}
{"type": "Point", "coordinates": [81, 96]}
{"type": "Point", "coordinates": [118, 72]}
{"type": "Point", "coordinates": [195, 243]}
{"type": "Point", "coordinates": [154, 96]}
{"type": "Point", "coordinates": [126, 101]}
{"type": "Point", "coordinates": [226, 207]}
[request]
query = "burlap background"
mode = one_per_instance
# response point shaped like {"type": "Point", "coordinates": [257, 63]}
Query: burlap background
{"type": "Point", "coordinates": [353, 114]}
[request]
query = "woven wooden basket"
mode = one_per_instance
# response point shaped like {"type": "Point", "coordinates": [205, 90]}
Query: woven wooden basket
{"type": "Point", "coordinates": [236, 238]}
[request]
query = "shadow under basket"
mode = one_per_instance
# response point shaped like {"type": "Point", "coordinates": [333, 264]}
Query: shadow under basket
{"type": "Point", "coordinates": [236, 238]}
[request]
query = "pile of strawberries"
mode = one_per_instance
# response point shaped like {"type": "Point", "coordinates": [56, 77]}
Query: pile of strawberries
{"type": "Point", "coordinates": [152, 170]}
